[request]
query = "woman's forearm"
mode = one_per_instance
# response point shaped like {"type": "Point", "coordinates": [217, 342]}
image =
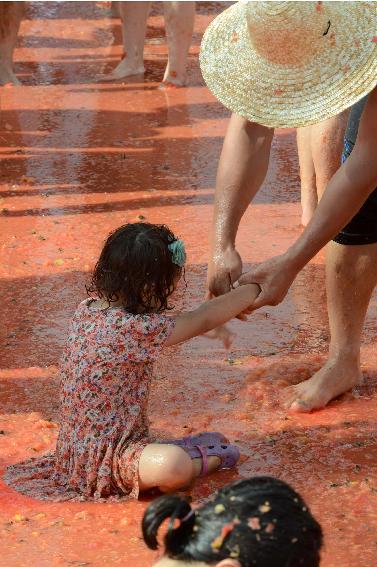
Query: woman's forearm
{"type": "Point", "coordinates": [342, 199]}
{"type": "Point", "coordinates": [242, 169]}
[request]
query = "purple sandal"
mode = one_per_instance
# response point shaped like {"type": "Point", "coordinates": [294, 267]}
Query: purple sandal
{"type": "Point", "coordinates": [229, 455]}
{"type": "Point", "coordinates": [208, 438]}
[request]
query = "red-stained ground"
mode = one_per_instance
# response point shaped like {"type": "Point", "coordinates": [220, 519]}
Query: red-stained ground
{"type": "Point", "coordinates": [79, 158]}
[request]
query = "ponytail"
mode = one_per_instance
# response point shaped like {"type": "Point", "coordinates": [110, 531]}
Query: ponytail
{"type": "Point", "coordinates": [260, 521]}
{"type": "Point", "coordinates": [175, 508]}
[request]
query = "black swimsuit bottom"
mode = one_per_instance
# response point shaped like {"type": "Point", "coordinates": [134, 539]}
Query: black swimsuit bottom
{"type": "Point", "coordinates": [362, 229]}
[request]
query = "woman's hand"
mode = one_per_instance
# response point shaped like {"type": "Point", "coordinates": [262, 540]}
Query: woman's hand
{"type": "Point", "coordinates": [224, 270]}
{"type": "Point", "coordinates": [274, 276]}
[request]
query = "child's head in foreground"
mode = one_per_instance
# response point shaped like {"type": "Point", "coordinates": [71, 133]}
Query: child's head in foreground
{"type": "Point", "coordinates": [259, 522]}
{"type": "Point", "coordinates": [139, 267]}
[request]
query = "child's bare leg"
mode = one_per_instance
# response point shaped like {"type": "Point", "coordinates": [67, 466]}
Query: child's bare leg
{"type": "Point", "coordinates": [134, 24]}
{"type": "Point", "coordinates": [309, 197]}
{"type": "Point", "coordinates": [169, 467]}
{"type": "Point", "coordinates": [10, 18]}
{"type": "Point", "coordinates": [179, 23]}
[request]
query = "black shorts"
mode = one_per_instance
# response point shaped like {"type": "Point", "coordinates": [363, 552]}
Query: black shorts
{"type": "Point", "coordinates": [362, 229]}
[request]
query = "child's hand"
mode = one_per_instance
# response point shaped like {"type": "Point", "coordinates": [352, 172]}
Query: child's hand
{"type": "Point", "coordinates": [223, 334]}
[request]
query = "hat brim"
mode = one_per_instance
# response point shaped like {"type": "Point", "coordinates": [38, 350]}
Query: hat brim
{"type": "Point", "coordinates": [291, 96]}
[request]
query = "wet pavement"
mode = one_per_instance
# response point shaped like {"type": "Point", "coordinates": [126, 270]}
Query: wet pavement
{"type": "Point", "coordinates": [79, 158]}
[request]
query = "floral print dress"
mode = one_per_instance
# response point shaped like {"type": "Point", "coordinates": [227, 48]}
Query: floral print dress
{"type": "Point", "coordinates": [106, 373]}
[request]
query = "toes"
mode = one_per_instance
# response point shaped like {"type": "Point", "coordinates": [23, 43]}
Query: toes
{"type": "Point", "coordinates": [300, 406]}
{"type": "Point", "coordinates": [168, 85]}
{"type": "Point", "coordinates": [288, 396]}
{"type": "Point", "coordinates": [293, 400]}
{"type": "Point", "coordinates": [104, 78]}
{"type": "Point", "coordinates": [113, 77]}
{"type": "Point", "coordinates": [120, 74]}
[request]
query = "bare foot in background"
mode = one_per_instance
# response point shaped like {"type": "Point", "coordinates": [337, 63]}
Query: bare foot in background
{"type": "Point", "coordinates": [125, 68]}
{"type": "Point", "coordinates": [179, 23]}
{"type": "Point", "coordinates": [134, 25]}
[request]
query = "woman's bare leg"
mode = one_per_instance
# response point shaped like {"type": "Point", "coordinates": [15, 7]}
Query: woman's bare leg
{"type": "Point", "coordinates": [309, 197]}
{"type": "Point", "coordinates": [351, 276]}
{"type": "Point", "coordinates": [319, 150]}
{"type": "Point", "coordinates": [327, 139]}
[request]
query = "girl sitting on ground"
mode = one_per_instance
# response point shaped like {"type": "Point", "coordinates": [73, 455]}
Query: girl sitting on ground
{"type": "Point", "coordinates": [259, 522]}
{"type": "Point", "coordinates": [104, 448]}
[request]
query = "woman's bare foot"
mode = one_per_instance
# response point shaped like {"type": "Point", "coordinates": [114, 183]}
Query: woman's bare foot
{"type": "Point", "coordinates": [336, 377]}
{"type": "Point", "coordinates": [126, 68]}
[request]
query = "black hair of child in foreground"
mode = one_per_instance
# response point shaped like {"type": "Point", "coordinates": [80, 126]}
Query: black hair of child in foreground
{"type": "Point", "coordinates": [259, 522]}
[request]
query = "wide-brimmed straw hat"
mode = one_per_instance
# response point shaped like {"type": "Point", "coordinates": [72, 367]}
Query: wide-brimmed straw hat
{"type": "Point", "coordinates": [286, 64]}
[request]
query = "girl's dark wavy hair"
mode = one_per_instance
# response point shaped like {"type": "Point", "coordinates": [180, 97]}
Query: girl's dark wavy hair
{"type": "Point", "coordinates": [261, 521]}
{"type": "Point", "coordinates": [136, 267]}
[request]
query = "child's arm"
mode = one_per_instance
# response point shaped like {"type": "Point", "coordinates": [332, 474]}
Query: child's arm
{"type": "Point", "coordinates": [213, 313]}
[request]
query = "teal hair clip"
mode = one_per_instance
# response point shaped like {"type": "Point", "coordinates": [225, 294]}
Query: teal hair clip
{"type": "Point", "coordinates": [177, 249]}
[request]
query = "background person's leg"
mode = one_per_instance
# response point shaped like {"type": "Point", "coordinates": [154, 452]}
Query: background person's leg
{"type": "Point", "coordinates": [351, 276]}
{"type": "Point", "coordinates": [11, 14]}
{"type": "Point", "coordinates": [179, 24]}
{"type": "Point", "coordinates": [169, 467]}
{"type": "Point", "coordinates": [134, 24]}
